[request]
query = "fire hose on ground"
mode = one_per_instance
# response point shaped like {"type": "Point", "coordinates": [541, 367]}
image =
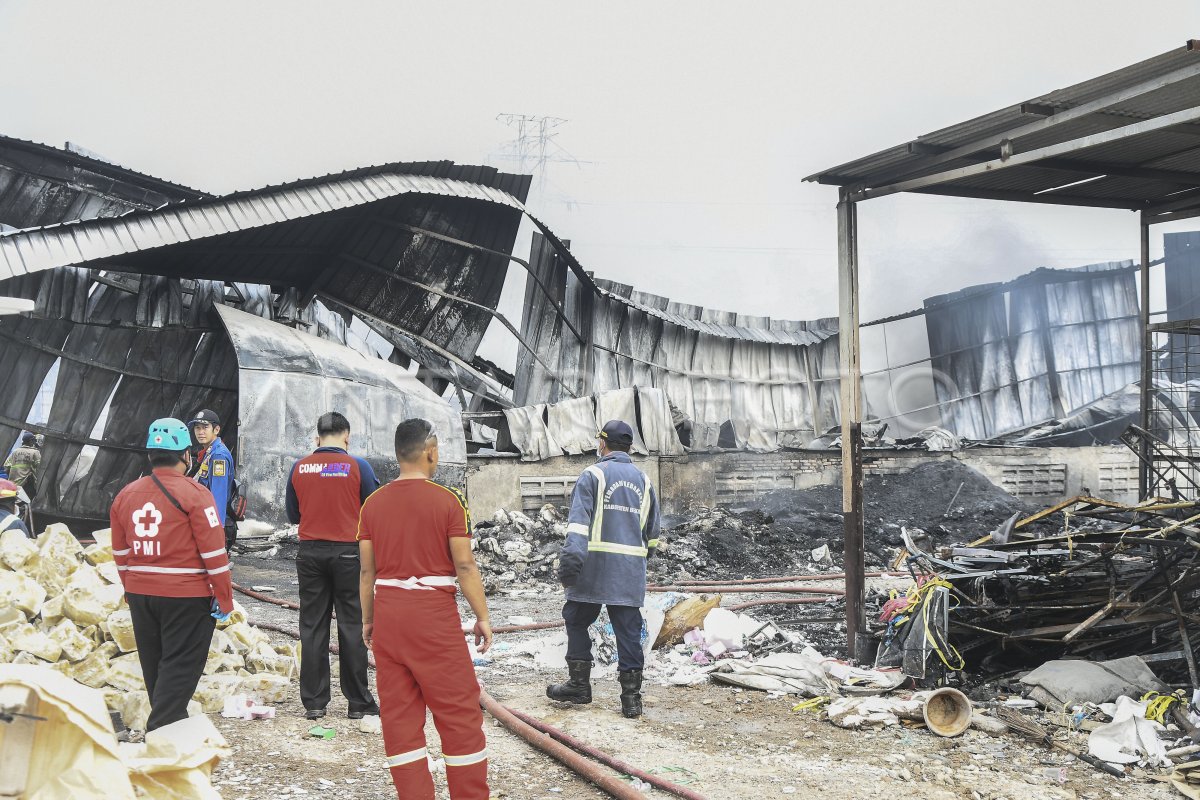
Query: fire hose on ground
{"type": "Point", "coordinates": [543, 736]}
{"type": "Point", "coordinates": [535, 626]}
{"type": "Point", "coordinates": [536, 732]}
{"type": "Point", "coordinates": [724, 589]}
{"type": "Point", "coordinates": [831, 576]}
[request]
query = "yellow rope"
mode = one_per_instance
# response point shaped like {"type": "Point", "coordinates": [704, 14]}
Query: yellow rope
{"type": "Point", "coordinates": [1159, 704]}
{"type": "Point", "coordinates": [813, 704]}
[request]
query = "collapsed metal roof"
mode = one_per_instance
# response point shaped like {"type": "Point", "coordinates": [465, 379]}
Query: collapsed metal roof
{"type": "Point", "coordinates": [43, 185]}
{"type": "Point", "coordinates": [1128, 139]}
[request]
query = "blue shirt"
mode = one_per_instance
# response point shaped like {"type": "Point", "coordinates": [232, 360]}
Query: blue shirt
{"type": "Point", "coordinates": [216, 474]}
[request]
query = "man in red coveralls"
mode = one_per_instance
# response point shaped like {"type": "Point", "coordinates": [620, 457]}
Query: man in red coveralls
{"type": "Point", "coordinates": [169, 545]}
{"type": "Point", "coordinates": [414, 540]}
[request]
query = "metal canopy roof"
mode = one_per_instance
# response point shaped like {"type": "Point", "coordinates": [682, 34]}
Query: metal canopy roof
{"type": "Point", "coordinates": [1128, 139]}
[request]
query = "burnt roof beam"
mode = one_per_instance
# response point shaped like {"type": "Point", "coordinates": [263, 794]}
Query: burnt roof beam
{"type": "Point", "coordinates": [1031, 157]}
{"type": "Point", "coordinates": [1037, 126]}
{"type": "Point", "coordinates": [1093, 168]}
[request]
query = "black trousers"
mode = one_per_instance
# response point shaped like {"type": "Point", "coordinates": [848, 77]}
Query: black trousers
{"type": "Point", "coordinates": [173, 635]}
{"type": "Point", "coordinates": [627, 627]}
{"type": "Point", "coordinates": [328, 575]}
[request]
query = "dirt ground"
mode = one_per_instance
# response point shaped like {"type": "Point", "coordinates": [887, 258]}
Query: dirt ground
{"type": "Point", "coordinates": [722, 742]}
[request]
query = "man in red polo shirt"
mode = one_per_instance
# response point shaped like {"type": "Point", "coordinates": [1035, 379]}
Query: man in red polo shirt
{"type": "Point", "coordinates": [169, 545]}
{"type": "Point", "coordinates": [414, 539]}
{"type": "Point", "coordinates": [324, 495]}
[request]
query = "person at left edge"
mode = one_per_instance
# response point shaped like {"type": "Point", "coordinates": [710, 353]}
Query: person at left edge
{"type": "Point", "coordinates": [9, 521]}
{"type": "Point", "coordinates": [324, 495]}
{"type": "Point", "coordinates": [168, 545]}
{"type": "Point", "coordinates": [213, 466]}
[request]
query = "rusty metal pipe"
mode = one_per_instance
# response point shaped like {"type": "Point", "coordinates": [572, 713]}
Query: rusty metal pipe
{"type": "Point", "coordinates": [831, 576]}
{"type": "Point", "coordinates": [605, 758]}
{"type": "Point", "coordinates": [588, 770]}
{"type": "Point", "coordinates": [536, 626]}
{"type": "Point", "coordinates": [786, 601]}
{"type": "Point", "coordinates": [723, 589]}
{"type": "Point", "coordinates": [279, 601]}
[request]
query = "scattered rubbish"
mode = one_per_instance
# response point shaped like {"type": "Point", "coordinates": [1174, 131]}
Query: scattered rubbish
{"type": "Point", "coordinates": [1130, 738]}
{"type": "Point", "coordinates": [370, 723]}
{"type": "Point", "coordinates": [321, 732]}
{"type": "Point", "coordinates": [264, 588]}
{"type": "Point", "coordinates": [241, 706]}
{"type": "Point", "coordinates": [1056, 774]}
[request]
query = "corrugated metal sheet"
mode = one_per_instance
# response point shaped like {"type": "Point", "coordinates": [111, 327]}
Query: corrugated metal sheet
{"type": "Point", "coordinates": [772, 383]}
{"type": "Point", "coordinates": [43, 185]}
{"type": "Point", "coordinates": [1015, 355]}
{"type": "Point", "coordinates": [1175, 148]}
{"type": "Point", "coordinates": [28, 251]}
{"type": "Point", "coordinates": [286, 379]}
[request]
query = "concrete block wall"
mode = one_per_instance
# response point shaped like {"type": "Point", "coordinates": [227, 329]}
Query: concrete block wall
{"type": "Point", "coordinates": [1042, 475]}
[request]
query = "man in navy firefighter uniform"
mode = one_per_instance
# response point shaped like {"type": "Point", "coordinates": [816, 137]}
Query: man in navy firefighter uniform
{"type": "Point", "coordinates": [324, 496]}
{"type": "Point", "coordinates": [611, 531]}
{"type": "Point", "coordinates": [213, 467]}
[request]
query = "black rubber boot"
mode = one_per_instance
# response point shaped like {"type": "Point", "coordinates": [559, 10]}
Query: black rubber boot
{"type": "Point", "coordinates": [631, 692]}
{"type": "Point", "coordinates": [578, 688]}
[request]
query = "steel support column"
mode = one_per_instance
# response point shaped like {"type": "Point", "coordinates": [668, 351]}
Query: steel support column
{"type": "Point", "coordinates": [851, 414]}
{"type": "Point", "coordinates": [1147, 344]}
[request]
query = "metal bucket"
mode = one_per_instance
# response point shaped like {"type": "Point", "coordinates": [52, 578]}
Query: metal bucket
{"type": "Point", "coordinates": [947, 712]}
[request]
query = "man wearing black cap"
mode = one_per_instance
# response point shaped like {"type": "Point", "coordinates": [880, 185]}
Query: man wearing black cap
{"type": "Point", "coordinates": [611, 531]}
{"type": "Point", "coordinates": [213, 467]}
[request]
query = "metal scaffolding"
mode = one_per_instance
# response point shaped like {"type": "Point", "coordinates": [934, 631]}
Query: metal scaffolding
{"type": "Point", "coordinates": [1129, 139]}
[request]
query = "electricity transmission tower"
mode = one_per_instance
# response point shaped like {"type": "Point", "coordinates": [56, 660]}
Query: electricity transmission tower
{"type": "Point", "coordinates": [534, 147]}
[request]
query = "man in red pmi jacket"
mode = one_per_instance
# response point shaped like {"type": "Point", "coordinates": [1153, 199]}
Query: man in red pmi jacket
{"type": "Point", "coordinates": [324, 494]}
{"type": "Point", "coordinates": [169, 545]}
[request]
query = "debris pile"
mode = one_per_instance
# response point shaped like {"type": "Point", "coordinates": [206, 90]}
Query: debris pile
{"type": "Point", "coordinates": [62, 606]}
{"type": "Point", "coordinates": [1113, 580]}
{"type": "Point", "coordinates": [946, 501]}
{"type": "Point", "coordinates": [514, 550]}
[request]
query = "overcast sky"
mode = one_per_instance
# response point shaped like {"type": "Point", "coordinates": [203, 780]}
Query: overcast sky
{"type": "Point", "coordinates": [691, 124]}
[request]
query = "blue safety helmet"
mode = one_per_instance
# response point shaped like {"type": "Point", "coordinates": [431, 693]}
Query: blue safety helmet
{"type": "Point", "coordinates": [168, 434]}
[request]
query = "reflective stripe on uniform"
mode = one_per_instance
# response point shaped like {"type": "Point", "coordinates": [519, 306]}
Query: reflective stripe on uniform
{"type": "Point", "coordinates": [598, 504]}
{"type": "Point", "coordinates": [169, 570]}
{"type": "Point", "coordinates": [212, 554]}
{"type": "Point", "coordinates": [427, 582]}
{"type": "Point", "coordinates": [124, 552]}
{"type": "Point", "coordinates": [8, 521]}
{"type": "Point", "coordinates": [645, 509]}
{"type": "Point", "coordinates": [219, 570]}
{"type": "Point", "coordinates": [577, 527]}
{"type": "Point", "coordinates": [465, 761]}
{"type": "Point", "coordinates": [407, 758]}
{"type": "Point", "coordinates": [652, 543]}
{"type": "Point", "coordinates": [619, 549]}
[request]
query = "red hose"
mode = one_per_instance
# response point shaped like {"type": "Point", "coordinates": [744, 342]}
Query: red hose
{"type": "Point", "coordinates": [787, 601]}
{"type": "Point", "coordinates": [536, 626]}
{"type": "Point", "coordinates": [295, 634]}
{"type": "Point", "coordinates": [605, 758]}
{"type": "Point", "coordinates": [267, 598]}
{"type": "Point", "coordinates": [587, 770]}
{"type": "Point", "coordinates": [831, 576]}
{"type": "Point", "coordinates": [745, 589]}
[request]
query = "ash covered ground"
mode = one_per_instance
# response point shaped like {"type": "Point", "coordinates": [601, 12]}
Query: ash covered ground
{"type": "Point", "coordinates": [772, 535]}
{"type": "Point", "coordinates": [776, 534]}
